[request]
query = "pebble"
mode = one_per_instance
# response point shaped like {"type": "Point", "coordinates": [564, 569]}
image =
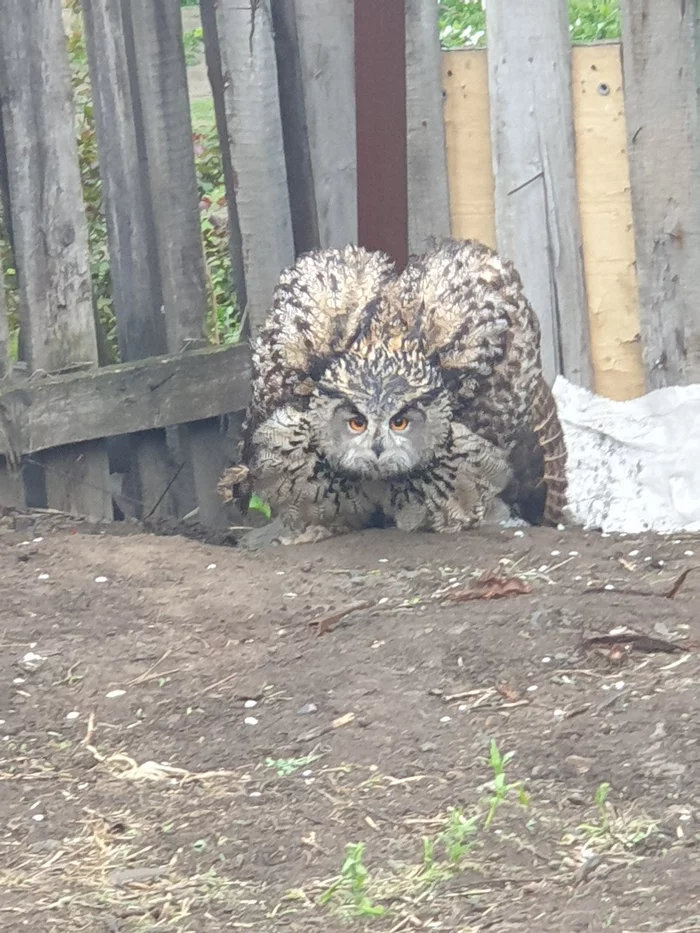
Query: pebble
{"type": "Point", "coordinates": [689, 553]}
{"type": "Point", "coordinates": [556, 553]}
{"type": "Point", "coordinates": [100, 579]}
{"type": "Point", "coordinates": [250, 721]}
{"type": "Point", "coordinates": [73, 715]}
{"type": "Point", "coordinates": [609, 586]}
{"type": "Point", "coordinates": [307, 709]}
{"type": "Point", "coordinates": [211, 566]}
{"type": "Point", "coordinates": [445, 719]}
{"type": "Point", "coordinates": [113, 694]}
{"type": "Point", "coordinates": [43, 576]}
{"type": "Point", "coordinates": [38, 817]}
{"type": "Point", "coordinates": [518, 534]}
{"type": "Point", "coordinates": [249, 704]}
{"type": "Point", "coordinates": [546, 660]}
{"type": "Point", "coordinates": [428, 747]}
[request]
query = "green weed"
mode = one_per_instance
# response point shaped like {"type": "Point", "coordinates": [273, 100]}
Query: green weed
{"type": "Point", "coordinates": [349, 889]}
{"type": "Point", "coordinates": [286, 766]}
{"type": "Point", "coordinates": [501, 788]}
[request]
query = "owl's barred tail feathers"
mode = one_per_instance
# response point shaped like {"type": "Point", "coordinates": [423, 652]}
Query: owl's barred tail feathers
{"type": "Point", "coordinates": [550, 435]}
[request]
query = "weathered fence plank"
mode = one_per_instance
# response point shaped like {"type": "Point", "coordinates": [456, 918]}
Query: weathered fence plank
{"type": "Point", "coordinates": [133, 275]}
{"type": "Point", "coordinates": [315, 61]}
{"type": "Point", "coordinates": [207, 9]}
{"type": "Point", "coordinates": [132, 244]}
{"type": "Point", "coordinates": [380, 103]}
{"type": "Point", "coordinates": [428, 193]}
{"type": "Point", "coordinates": [253, 115]}
{"type": "Point", "coordinates": [166, 124]}
{"type": "Point", "coordinates": [11, 484]}
{"type": "Point", "coordinates": [297, 150]}
{"type": "Point", "coordinates": [49, 227]}
{"type": "Point", "coordinates": [42, 413]}
{"type": "Point", "coordinates": [532, 134]}
{"type": "Point", "coordinates": [661, 66]}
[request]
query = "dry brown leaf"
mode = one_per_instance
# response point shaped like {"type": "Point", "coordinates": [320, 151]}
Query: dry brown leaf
{"type": "Point", "coordinates": [492, 587]}
{"type": "Point", "coordinates": [507, 692]}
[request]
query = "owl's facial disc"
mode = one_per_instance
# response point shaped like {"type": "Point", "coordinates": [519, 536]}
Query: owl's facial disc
{"type": "Point", "coordinates": [369, 441]}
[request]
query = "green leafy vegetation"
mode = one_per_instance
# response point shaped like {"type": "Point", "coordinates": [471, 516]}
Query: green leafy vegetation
{"type": "Point", "coordinates": [463, 22]}
{"type": "Point", "coordinates": [356, 891]}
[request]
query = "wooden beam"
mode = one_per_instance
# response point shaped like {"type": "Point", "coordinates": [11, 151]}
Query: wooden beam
{"type": "Point", "coordinates": [48, 223]}
{"type": "Point", "coordinates": [532, 135]}
{"type": "Point", "coordinates": [428, 193]}
{"type": "Point", "coordinates": [40, 413]}
{"type": "Point", "coordinates": [661, 62]}
{"type": "Point", "coordinates": [380, 100]}
{"type": "Point", "coordinates": [319, 104]}
{"type": "Point", "coordinates": [257, 151]}
{"type": "Point", "coordinates": [133, 274]}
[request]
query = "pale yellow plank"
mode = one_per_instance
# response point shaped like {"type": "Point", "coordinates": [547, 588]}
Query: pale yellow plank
{"type": "Point", "coordinates": [469, 171]}
{"type": "Point", "coordinates": [603, 188]}
{"type": "Point", "coordinates": [606, 220]}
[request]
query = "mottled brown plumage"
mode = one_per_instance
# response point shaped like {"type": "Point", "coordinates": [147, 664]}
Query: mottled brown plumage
{"type": "Point", "coordinates": [416, 399]}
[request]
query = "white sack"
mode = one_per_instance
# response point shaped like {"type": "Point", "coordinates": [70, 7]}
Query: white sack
{"type": "Point", "coordinates": [633, 466]}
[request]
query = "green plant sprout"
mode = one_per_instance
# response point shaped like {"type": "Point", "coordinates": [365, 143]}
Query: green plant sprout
{"type": "Point", "coordinates": [350, 887]}
{"type": "Point", "coordinates": [286, 766]}
{"type": "Point", "coordinates": [501, 788]}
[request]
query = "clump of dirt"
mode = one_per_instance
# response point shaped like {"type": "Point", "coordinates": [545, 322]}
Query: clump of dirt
{"type": "Point", "coordinates": [496, 730]}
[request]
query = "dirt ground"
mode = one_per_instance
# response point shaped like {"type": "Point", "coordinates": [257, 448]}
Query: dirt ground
{"type": "Point", "coordinates": [180, 750]}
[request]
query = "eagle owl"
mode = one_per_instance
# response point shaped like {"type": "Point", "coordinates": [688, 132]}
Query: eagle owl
{"type": "Point", "coordinates": [415, 399]}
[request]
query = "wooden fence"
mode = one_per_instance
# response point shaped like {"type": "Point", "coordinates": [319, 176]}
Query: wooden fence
{"type": "Point", "coordinates": [332, 131]}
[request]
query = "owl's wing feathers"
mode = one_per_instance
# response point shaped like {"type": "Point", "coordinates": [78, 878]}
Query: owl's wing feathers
{"type": "Point", "coordinates": [475, 321]}
{"type": "Point", "coordinates": [318, 307]}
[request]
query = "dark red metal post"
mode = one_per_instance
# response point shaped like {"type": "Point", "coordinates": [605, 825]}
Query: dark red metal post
{"type": "Point", "coordinates": [380, 95]}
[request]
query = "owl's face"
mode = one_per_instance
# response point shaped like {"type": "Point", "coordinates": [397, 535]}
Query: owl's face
{"type": "Point", "coordinates": [380, 416]}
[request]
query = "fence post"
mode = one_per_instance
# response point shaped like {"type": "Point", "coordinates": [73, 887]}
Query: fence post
{"type": "Point", "coordinates": [260, 179]}
{"type": "Point", "coordinates": [428, 193]}
{"type": "Point", "coordinates": [159, 73]}
{"type": "Point", "coordinates": [661, 58]}
{"type": "Point", "coordinates": [380, 100]}
{"type": "Point", "coordinates": [314, 45]}
{"type": "Point", "coordinates": [49, 229]}
{"type": "Point", "coordinates": [532, 134]}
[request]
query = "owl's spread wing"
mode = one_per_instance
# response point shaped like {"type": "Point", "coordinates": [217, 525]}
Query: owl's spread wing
{"type": "Point", "coordinates": [319, 306]}
{"type": "Point", "coordinates": [469, 309]}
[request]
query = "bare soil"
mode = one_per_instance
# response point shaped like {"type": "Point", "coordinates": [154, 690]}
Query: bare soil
{"type": "Point", "coordinates": [187, 753]}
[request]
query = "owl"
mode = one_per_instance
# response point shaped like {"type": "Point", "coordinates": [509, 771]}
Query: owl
{"type": "Point", "coordinates": [414, 400]}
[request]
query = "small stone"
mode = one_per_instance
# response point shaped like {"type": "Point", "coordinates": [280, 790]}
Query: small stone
{"type": "Point", "coordinates": [113, 694]}
{"type": "Point", "coordinates": [573, 553]}
{"type": "Point", "coordinates": [634, 553]}
{"type": "Point", "coordinates": [31, 662]}
{"type": "Point", "coordinates": [609, 586]}
{"type": "Point", "coordinates": [462, 707]}
{"type": "Point", "coordinates": [249, 704]}
{"type": "Point", "coordinates": [518, 534]}
{"type": "Point", "coordinates": [555, 553]}
{"type": "Point", "coordinates": [73, 715]}
{"type": "Point", "coordinates": [307, 709]}
{"type": "Point", "coordinates": [211, 566]}
{"type": "Point", "coordinates": [445, 719]}
{"type": "Point", "coordinates": [383, 560]}
{"type": "Point", "coordinates": [546, 660]}
{"type": "Point", "coordinates": [689, 553]}
{"type": "Point", "coordinates": [428, 747]}
{"type": "Point", "coordinates": [532, 688]}
{"type": "Point", "coordinates": [38, 817]}
{"type": "Point", "coordinates": [250, 721]}
{"type": "Point", "coordinates": [43, 576]}
{"type": "Point", "coordinates": [100, 579]}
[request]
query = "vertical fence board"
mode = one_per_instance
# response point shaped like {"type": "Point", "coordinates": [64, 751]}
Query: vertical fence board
{"type": "Point", "coordinates": [325, 49]}
{"type": "Point", "coordinates": [256, 145]}
{"type": "Point", "coordinates": [49, 228]}
{"type": "Point", "coordinates": [532, 133]}
{"type": "Point", "coordinates": [380, 103]}
{"type": "Point", "coordinates": [132, 248]}
{"type": "Point", "coordinates": [135, 292]}
{"type": "Point", "coordinates": [602, 172]}
{"type": "Point", "coordinates": [295, 131]}
{"type": "Point", "coordinates": [11, 484]}
{"type": "Point", "coordinates": [428, 193]}
{"type": "Point", "coordinates": [207, 9]}
{"type": "Point", "coordinates": [161, 77]}
{"type": "Point", "coordinates": [661, 57]}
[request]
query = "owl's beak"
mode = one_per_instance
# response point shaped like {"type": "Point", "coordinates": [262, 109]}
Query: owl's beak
{"type": "Point", "coordinates": [378, 446]}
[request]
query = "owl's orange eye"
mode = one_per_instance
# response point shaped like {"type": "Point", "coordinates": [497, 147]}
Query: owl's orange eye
{"type": "Point", "coordinates": [358, 424]}
{"type": "Point", "coordinates": [399, 423]}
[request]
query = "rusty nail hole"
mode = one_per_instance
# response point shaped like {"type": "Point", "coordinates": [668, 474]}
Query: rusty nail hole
{"type": "Point", "coordinates": [603, 89]}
